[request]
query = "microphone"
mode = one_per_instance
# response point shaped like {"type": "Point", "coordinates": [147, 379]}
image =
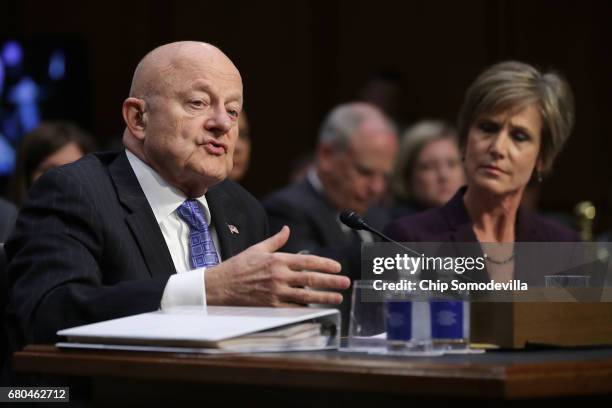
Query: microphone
{"type": "Point", "coordinates": [354, 221]}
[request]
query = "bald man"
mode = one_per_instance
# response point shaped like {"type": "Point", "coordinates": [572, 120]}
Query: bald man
{"type": "Point", "coordinates": [157, 225]}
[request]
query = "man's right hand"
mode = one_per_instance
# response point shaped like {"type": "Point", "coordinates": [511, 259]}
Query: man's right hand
{"type": "Point", "coordinates": [259, 276]}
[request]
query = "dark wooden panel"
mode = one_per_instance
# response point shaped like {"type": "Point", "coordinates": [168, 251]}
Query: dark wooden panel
{"type": "Point", "coordinates": [466, 376]}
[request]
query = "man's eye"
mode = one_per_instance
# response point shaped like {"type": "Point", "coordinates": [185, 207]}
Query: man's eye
{"type": "Point", "coordinates": [233, 113]}
{"type": "Point", "coordinates": [197, 103]}
{"type": "Point", "coordinates": [363, 171]}
{"type": "Point", "coordinates": [488, 127]}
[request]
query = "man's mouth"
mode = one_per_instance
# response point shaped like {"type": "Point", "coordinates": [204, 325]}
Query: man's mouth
{"type": "Point", "coordinates": [215, 148]}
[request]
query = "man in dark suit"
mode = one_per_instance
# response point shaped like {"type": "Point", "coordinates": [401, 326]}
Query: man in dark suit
{"type": "Point", "coordinates": [355, 155]}
{"type": "Point", "coordinates": [116, 234]}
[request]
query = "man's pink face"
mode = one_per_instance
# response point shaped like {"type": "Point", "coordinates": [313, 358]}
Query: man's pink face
{"type": "Point", "coordinates": [362, 170]}
{"type": "Point", "coordinates": [191, 127]}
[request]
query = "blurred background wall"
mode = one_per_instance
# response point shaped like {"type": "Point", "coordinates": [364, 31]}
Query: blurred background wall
{"type": "Point", "coordinates": [300, 58]}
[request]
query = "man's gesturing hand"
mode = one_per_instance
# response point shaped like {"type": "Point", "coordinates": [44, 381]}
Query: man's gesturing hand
{"type": "Point", "coordinates": [259, 276]}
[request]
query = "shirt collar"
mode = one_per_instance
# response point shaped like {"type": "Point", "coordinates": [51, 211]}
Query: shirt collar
{"type": "Point", "coordinates": [317, 184]}
{"type": "Point", "coordinates": [315, 181]}
{"type": "Point", "coordinates": [163, 198]}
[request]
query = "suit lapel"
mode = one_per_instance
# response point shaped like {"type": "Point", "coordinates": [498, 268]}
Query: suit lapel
{"type": "Point", "coordinates": [459, 222]}
{"type": "Point", "coordinates": [140, 218]}
{"type": "Point", "coordinates": [228, 221]}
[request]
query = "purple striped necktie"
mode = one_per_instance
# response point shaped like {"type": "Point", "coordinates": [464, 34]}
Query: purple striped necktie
{"type": "Point", "coordinates": [202, 252]}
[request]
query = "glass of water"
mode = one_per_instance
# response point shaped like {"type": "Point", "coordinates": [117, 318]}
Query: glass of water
{"type": "Point", "coordinates": [367, 320]}
{"type": "Point", "coordinates": [408, 322]}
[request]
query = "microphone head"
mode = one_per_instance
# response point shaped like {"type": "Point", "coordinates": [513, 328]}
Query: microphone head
{"type": "Point", "coordinates": [351, 219]}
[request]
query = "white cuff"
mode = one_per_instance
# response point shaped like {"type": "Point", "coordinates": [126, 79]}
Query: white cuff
{"type": "Point", "coordinates": [185, 289]}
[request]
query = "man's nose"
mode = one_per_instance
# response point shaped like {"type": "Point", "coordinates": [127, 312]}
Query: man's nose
{"type": "Point", "coordinates": [219, 122]}
{"type": "Point", "coordinates": [378, 185]}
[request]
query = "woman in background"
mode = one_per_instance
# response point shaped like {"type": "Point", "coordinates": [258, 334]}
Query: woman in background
{"type": "Point", "coordinates": [513, 123]}
{"type": "Point", "coordinates": [242, 150]}
{"type": "Point", "coordinates": [428, 170]}
{"type": "Point", "coordinates": [51, 144]}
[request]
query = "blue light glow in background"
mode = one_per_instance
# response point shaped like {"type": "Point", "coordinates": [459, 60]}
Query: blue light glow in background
{"type": "Point", "coordinates": [57, 65]}
{"type": "Point", "coordinates": [12, 53]}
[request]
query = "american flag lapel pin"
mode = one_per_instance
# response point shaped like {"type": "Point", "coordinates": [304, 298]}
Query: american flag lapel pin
{"type": "Point", "coordinates": [233, 229]}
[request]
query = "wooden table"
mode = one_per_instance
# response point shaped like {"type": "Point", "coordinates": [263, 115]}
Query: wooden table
{"type": "Point", "coordinates": [331, 377]}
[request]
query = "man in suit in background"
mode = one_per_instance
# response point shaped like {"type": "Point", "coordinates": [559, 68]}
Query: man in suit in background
{"type": "Point", "coordinates": [158, 224]}
{"type": "Point", "coordinates": [355, 155]}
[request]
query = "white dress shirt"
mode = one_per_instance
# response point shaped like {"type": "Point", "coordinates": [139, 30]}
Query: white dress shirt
{"type": "Point", "coordinates": [186, 287]}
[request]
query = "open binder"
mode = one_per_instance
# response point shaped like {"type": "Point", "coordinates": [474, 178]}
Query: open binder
{"type": "Point", "coordinates": [216, 329]}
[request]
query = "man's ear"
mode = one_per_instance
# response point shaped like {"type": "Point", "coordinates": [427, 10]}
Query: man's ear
{"type": "Point", "coordinates": [326, 157]}
{"type": "Point", "coordinates": [135, 116]}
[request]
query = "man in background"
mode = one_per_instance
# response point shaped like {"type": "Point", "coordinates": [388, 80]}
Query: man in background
{"type": "Point", "coordinates": [354, 158]}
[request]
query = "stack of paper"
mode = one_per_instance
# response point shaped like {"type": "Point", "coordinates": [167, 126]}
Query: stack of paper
{"type": "Point", "coordinates": [216, 329]}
